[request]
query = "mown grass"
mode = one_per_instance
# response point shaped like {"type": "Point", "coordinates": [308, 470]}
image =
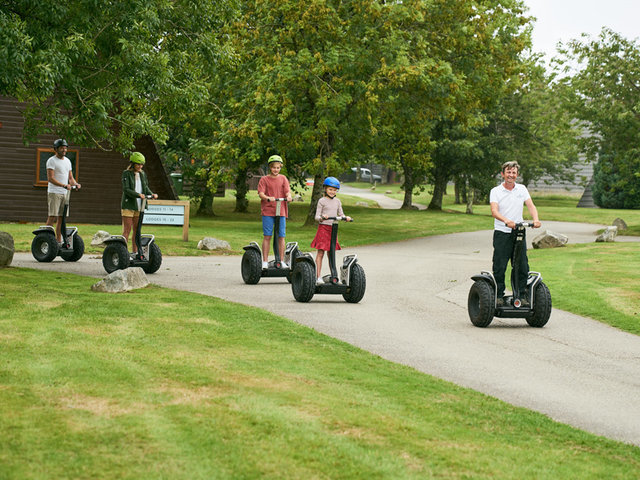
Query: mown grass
{"type": "Point", "coordinates": [164, 384]}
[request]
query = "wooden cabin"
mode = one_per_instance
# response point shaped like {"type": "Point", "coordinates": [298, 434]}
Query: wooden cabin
{"type": "Point", "coordinates": [23, 195]}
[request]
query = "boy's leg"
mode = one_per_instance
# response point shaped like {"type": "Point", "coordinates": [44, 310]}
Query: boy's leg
{"type": "Point", "coordinates": [267, 232]}
{"type": "Point", "coordinates": [266, 243]}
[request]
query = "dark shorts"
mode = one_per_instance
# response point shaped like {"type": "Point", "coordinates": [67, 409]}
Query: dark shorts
{"type": "Point", "coordinates": [322, 240]}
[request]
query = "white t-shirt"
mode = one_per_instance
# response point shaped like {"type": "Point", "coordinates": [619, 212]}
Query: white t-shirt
{"type": "Point", "coordinates": [510, 204]}
{"type": "Point", "coordinates": [61, 168]}
{"type": "Point", "coordinates": [138, 188]}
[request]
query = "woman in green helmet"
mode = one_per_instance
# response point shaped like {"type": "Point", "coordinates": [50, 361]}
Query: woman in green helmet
{"type": "Point", "coordinates": [134, 188]}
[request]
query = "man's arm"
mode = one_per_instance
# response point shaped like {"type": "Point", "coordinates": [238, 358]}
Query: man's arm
{"type": "Point", "coordinates": [533, 211]}
{"type": "Point", "coordinates": [495, 213]}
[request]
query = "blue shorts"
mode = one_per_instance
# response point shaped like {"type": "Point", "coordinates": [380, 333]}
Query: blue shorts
{"type": "Point", "coordinates": [269, 222]}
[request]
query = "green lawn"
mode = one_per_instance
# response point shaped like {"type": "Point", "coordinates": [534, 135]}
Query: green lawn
{"type": "Point", "coordinates": [157, 384]}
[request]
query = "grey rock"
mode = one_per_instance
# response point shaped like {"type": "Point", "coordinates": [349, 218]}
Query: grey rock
{"type": "Point", "coordinates": [362, 204]}
{"type": "Point", "coordinates": [122, 281]}
{"type": "Point", "coordinates": [209, 243]}
{"type": "Point", "coordinates": [620, 223]}
{"type": "Point", "coordinates": [609, 235]}
{"type": "Point", "coordinates": [297, 198]}
{"type": "Point", "coordinates": [549, 239]}
{"type": "Point", "coordinates": [7, 249]}
{"type": "Point", "coordinates": [99, 237]}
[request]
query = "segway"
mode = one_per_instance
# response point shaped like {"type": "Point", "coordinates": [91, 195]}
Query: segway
{"type": "Point", "coordinates": [351, 283]}
{"type": "Point", "coordinates": [116, 255]}
{"type": "Point", "coordinates": [251, 265]}
{"type": "Point", "coordinates": [45, 247]}
{"type": "Point", "coordinates": [482, 302]}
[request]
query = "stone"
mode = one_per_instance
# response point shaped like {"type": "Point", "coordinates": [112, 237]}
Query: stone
{"type": "Point", "coordinates": [298, 198]}
{"type": "Point", "coordinates": [362, 204]}
{"type": "Point", "coordinates": [549, 239]}
{"type": "Point", "coordinates": [99, 237]}
{"type": "Point", "coordinates": [209, 243]}
{"type": "Point", "coordinates": [388, 192]}
{"type": "Point", "coordinates": [125, 280]}
{"type": "Point", "coordinates": [609, 235]}
{"type": "Point", "coordinates": [620, 223]}
{"type": "Point", "coordinates": [7, 249]}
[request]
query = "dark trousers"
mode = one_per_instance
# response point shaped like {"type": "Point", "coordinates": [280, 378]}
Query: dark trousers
{"type": "Point", "coordinates": [503, 244]}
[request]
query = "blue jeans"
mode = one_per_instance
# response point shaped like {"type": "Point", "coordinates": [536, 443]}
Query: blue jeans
{"type": "Point", "coordinates": [268, 224]}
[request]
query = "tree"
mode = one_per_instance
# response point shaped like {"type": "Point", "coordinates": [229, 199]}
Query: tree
{"type": "Point", "coordinates": [603, 78]}
{"type": "Point", "coordinates": [107, 77]}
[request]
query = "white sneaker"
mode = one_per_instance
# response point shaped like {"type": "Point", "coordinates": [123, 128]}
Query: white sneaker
{"type": "Point", "coordinates": [265, 265]}
{"type": "Point", "coordinates": [284, 265]}
{"type": "Point", "coordinates": [319, 281]}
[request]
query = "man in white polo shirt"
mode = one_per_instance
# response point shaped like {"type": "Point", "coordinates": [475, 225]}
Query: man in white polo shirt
{"type": "Point", "coordinates": [60, 178]}
{"type": "Point", "coordinates": [507, 200]}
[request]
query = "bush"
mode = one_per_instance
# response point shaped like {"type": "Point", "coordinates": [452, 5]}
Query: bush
{"type": "Point", "coordinates": [616, 180]}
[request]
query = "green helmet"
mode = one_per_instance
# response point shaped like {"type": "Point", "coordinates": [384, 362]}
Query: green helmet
{"type": "Point", "coordinates": [137, 157]}
{"type": "Point", "coordinates": [275, 158]}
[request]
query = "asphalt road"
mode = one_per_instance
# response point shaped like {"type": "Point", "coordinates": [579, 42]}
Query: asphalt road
{"type": "Point", "coordinates": [575, 370]}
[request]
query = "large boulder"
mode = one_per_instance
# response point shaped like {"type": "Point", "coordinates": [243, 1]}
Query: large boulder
{"type": "Point", "coordinates": [620, 223]}
{"type": "Point", "coordinates": [99, 237]}
{"type": "Point", "coordinates": [130, 278]}
{"type": "Point", "coordinates": [549, 239]}
{"type": "Point", "coordinates": [210, 243]}
{"type": "Point", "coordinates": [7, 249]}
{"type": "Point", "coordinates": [609, 235]}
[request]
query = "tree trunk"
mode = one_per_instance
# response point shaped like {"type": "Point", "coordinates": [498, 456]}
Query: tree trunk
{"type": "Point", "coordinates": [439, 189]}
{"type": "Point", "coordinates": [206, 204]}
{"type": "Point", "coordinates": [242, 204]}
{"type": "Point", "coordinates": [470, 196]}
{"type": "Point", "coordinates": [407, 201]}
{"type": "Point", "coordinates": [316, 194]}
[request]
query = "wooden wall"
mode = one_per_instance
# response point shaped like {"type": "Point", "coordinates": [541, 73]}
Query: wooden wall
{"type": "Point", "coordinates": [99, 172]}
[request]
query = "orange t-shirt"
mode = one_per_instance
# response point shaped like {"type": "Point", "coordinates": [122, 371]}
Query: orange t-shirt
{"type": "Point", "coordinates": [277, 187]}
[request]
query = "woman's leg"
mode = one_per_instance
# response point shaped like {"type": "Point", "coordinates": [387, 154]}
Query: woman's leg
{"type": "Point", "coordinates": [134, 230]}
{"type": "Point", "coordinates": [126, 227]}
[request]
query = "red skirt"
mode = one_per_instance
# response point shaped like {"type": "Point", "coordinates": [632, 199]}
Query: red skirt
{"type": "Point", "coordinates": [322, 240]}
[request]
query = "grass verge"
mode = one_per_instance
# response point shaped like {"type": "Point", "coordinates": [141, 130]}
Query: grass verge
{"type": "Point", "coordinates": [164, 384]}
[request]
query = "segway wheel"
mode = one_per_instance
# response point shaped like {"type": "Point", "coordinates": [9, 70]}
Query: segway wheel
{"type": "Point", "coordinates": [303, 281]}
{"type": "Point", "coordinates": [541, 306]}
{"type": "Point", "coordinates": [481, 303]}
{"type": "Point", "coordinates": [44, 247]}
{"type": "Point", "coordinates": [251, 266]}
{"type": "Point", "coordinates": [78, 250]}
{"type": "Point", "coordinates": [357, 284]}
{"type": "Point", "coordinates": [155, 259]}
{"type": "Point", "coordinates": [115, 257]}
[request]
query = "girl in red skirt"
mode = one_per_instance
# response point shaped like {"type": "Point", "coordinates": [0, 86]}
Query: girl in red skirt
{"type": "Point", "coordinates": [328, 206]}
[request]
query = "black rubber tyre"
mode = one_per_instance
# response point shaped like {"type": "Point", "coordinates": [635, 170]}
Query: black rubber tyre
{"type": "Point", "coordinates": [155, 259]}
{"type": "Point", "coordinates": [78, 250]}
{"type": "Point", "coordinates": [357, 284]}
{"type": "Point", "coordinates": [303, 281]}
{"type": "Point", "coordinates": [115, 257]}
{"type": "Point", "coordinates": [541, 306]}
{"type": "Point", "coordinates": [481, 303]}
{"type": "Point", "coordinates": [44, 247]}
{"type": "Point", "coordinates": [251, 266]}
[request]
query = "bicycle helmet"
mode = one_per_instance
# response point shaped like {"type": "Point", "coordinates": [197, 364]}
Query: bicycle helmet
{"type": "Point", "coordinates": [275, 158]}
{"type": "Point", "coordinates": [137, 157]}
{"type": "Point", "coordinates": [61, 142]}
{"type": "Point", "coordinates": [331, 182]}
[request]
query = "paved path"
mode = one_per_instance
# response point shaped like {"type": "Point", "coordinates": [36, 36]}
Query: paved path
{"type": "Point", "coordinates": [382, 200]}
{"type": "Point", "coordinates": [575, 370]}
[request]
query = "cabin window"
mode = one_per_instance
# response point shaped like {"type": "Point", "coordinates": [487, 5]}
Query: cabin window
{"type": "Point", "coordinates": [41, 164]}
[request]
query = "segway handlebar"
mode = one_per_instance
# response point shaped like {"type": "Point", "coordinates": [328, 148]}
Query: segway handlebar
{"type": "Point", "coordinates": [344, 217]}
{"type": "Point", "coordinates": [278, 200]}
{"type": "Point", "coordinates": [525, 224]}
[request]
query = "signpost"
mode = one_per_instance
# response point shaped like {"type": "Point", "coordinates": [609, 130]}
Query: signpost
{"type": "Point", "coordinates": [168, 212]}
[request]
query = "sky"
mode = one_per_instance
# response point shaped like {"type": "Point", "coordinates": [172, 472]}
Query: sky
{"type": "Point", "coordinates": [563, 20]}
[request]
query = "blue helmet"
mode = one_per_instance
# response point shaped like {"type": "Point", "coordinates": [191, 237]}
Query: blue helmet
{"type": "Point", "coordinates": [331, 182]}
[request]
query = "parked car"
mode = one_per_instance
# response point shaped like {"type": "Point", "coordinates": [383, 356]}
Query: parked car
{"type": "Point", "coordinates": [365, 174]}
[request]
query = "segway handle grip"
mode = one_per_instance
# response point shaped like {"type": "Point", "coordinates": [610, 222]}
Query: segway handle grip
{"type": "Point", "coordinates": [278, 200]}
{"type": "Point", "coordinates": [344, 217]}
{"type": "Point", "coordinates": [525, 224]}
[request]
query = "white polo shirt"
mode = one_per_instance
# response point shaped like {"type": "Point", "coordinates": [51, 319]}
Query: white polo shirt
{"type": "Point", "coordinates": [61, 168]}
{"type": "Point", "coordinates": [510, 204]}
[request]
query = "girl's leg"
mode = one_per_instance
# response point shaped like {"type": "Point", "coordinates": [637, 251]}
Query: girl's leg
{"type": "Point", "coordinates": [134, 230]}
{"type": "Point", "coordinates": [319, 257]}
{"type": "Point", "coordinates": [126, 227]}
